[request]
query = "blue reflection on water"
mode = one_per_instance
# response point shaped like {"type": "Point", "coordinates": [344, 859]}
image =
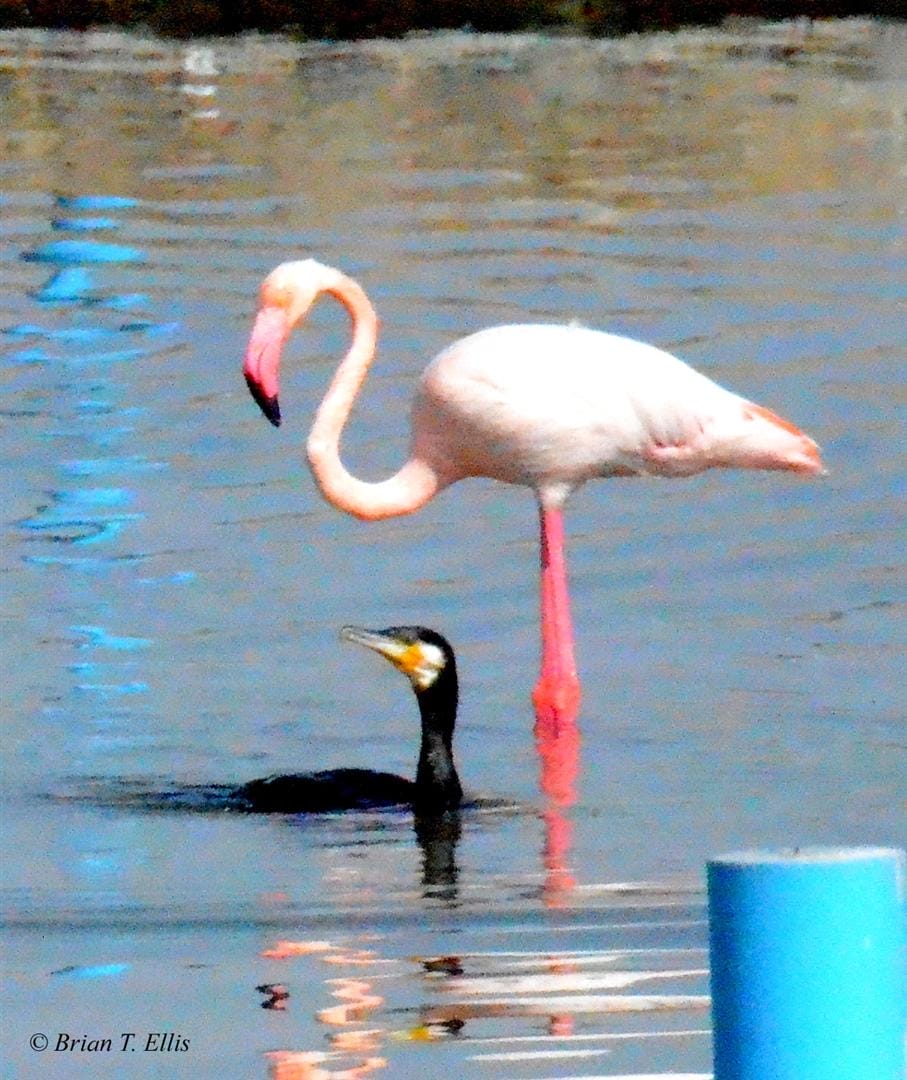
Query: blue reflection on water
{"type": "Point", "coordinates": [83, 224]}
{"type": "Point", "coordinates": [78, 512]}
{"type": "Point", "coordinates": [106, 690]}
{"type": "Point", "coordinates": [92, 971]}
{"type": "Point", "coordinates": [124, 300]}
{"type": "Point", "coordinates": [96, 202]}
{"type": "Point", "coordinates": [93, 497]}
{"type": "Point", "coordinates": [89, 530]}
{"type": "Point", "coordinates": [102, 466]}
{"type": "Point", "coordinates": [99, 638]}
{"type": "Point", "coordinates": [83, 251]}
{"type": "Point", "coordinates": [70, 286]}
{"type": "Point", "coordinates": [30, 356]}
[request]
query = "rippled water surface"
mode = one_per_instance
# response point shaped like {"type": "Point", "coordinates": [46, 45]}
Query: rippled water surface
{"type": "Point", "coordinates": [173, 584]}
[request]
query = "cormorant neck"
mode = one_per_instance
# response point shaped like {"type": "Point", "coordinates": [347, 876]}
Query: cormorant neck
{"type": "Point", "coordinates": [437, 784]}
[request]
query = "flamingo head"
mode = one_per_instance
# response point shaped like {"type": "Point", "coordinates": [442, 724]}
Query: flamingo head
{"type": "Point", "coordinates": [287, 294]}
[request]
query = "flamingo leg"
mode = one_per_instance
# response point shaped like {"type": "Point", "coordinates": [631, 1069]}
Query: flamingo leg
{"type": "Point", "coordinates": [556, 696]}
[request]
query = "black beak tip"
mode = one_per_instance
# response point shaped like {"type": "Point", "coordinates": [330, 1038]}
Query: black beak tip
{"type": "Point", "coordinates": [270, 406]}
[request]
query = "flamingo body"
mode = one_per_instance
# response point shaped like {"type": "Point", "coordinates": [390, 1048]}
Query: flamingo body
{"type": "Point", "coordinates": [551, 407]}
{"type": "Point", "coordinates": [546, 406]}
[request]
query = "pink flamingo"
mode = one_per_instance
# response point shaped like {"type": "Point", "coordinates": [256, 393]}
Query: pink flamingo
{"type": "Point", "coordinates": [545, 406]}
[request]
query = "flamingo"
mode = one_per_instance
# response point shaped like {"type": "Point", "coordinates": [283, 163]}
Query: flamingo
{"type": "Point", "coordinates": [545, 406]}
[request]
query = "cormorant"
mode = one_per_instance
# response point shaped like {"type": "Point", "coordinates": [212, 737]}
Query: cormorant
{"type": "Point", "coordinates": [427, 659]}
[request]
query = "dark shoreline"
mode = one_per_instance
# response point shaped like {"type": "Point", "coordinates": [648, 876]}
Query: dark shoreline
{"type": "Point", "coordinates": [328, 19]}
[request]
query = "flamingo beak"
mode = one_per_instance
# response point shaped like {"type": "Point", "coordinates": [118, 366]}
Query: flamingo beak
{"type": "Point", "coordinates": [262, 363]}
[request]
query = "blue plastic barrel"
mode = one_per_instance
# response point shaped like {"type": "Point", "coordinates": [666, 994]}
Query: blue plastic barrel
{"type": "Point", "coordinates": [808, 965]}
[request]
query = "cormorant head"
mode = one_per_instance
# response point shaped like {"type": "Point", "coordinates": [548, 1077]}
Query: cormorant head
{"type": "Point", "coordinates": [423, 655]}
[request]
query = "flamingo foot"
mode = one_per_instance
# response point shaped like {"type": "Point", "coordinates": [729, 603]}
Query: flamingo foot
{"type": "Point", "coordinates": [556, 699]}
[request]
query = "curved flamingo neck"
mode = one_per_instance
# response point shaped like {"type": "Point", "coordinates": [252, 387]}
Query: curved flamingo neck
{"type": "Point", "coordinates": [408, 489]}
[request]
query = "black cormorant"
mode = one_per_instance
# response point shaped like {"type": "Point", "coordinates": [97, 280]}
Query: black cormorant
{"type": "Point", "coordinates": [427, 659]}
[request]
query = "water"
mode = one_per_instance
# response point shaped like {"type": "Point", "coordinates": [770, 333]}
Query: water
{"type": "Point", "coordinates": [173, 585]}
